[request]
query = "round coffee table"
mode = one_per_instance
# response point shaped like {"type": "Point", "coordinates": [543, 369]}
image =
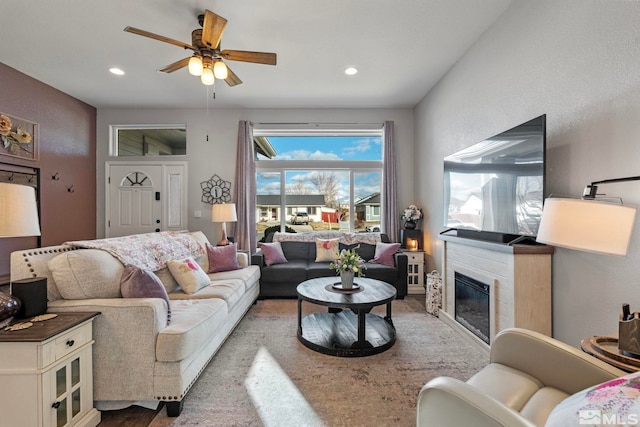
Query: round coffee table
{"type": "Point", "coordinates": [348, 329]}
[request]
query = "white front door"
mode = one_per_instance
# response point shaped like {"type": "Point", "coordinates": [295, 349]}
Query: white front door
{"type": "Point", "coordinates": [135, 200]}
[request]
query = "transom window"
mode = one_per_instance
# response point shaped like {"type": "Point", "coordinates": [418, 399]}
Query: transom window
{"type": "Point", "coordinates": [332, 175]}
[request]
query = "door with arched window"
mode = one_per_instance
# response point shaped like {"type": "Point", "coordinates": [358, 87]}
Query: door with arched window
{"type": "Point", "coordinates": [145, 198]}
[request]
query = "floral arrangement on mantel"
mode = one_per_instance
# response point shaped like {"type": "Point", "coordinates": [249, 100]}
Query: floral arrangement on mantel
{"type": "Point", "coordinates": [411, 215]}
{"type": "Point", "coordinates": [349, 261]}
{"type": "Point", "coordinates": [13, 141]}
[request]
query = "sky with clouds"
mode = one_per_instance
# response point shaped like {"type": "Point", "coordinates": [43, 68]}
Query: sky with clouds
{"type": "Point", "coordinates": [348, 148]}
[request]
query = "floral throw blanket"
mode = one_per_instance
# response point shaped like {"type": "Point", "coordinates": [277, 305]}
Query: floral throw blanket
{"type": "Point", "coordinates": [345, 238]}
{"type": "Point", "coordinates": [149, 251]}
{"type": "Point", "coordinates": [615, 402]}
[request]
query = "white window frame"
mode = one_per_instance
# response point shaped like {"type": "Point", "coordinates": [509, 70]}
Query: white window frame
{"type": "Point", "coordinates": [317, 129]}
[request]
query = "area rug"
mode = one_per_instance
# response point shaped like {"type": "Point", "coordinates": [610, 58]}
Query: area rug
{"type": "Point", "coordinates": [264, 376]}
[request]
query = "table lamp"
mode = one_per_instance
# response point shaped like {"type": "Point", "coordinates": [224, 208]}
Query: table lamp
{"type": "Point", "coordinates": [18, 218]}
{"type": "Point", "coordinates": [224, 212]}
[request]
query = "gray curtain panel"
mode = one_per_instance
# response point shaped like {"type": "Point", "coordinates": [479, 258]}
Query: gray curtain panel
{"type": "Point", "coordinates": [245, 190]}
{"type": "Point", "coordinates": [389, 194]}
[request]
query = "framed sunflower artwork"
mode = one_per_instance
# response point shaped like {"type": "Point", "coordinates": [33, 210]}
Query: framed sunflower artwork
{"type": "Point", "coordinates": [18, 137]}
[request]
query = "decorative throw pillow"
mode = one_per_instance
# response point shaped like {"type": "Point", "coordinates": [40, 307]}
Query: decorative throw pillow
{"type": "Point", "coordinates": [272, 253]}
{"type": "Point", "coordinates": [222, 258]}
{"type": "Point", "coordinates": [188, 274]}
{"type": "Point", "coordinates": [138, 283]}
{"type": "Point", "coordinates": [384, 253]}
{"type": "Point", "coordinates": [327, 250]}
{"type": "Point", "coordinates": [86, 273]}
{"type": "Point", "coordinates": [617, 399]}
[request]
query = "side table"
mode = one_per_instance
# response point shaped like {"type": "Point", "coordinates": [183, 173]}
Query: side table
{"type": "Point", "coordinates": [47, 373]}
{"type": "Point", "coordinates": [415, 272]}
{"type": "Point", "coordinates": [606, 349]}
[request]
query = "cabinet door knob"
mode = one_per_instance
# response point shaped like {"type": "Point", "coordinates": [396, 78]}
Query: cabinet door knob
{"type": "Point", "coordinates": [55, 405]}
{"type": "Point", "coordinates": [70, 343]}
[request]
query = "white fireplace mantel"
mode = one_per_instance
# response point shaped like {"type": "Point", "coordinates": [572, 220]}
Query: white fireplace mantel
{"type": "Point", "coordinates": [519, 277]}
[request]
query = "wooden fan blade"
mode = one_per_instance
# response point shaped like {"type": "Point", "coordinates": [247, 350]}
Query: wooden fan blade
{"type": "Point", "coordinates": [232, 79]}
{"type": "Point", "coordinates": [157, 37]}
{"type": "Point", "coordinates": [176, 65]}
{"type": "Point", "coordinates": [212, 28]}
{"type": "Point", "coordinates": [247, 56]}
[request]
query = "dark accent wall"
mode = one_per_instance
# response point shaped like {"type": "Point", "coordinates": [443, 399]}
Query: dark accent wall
{"type": "Point", "coordinates": [67, 134]}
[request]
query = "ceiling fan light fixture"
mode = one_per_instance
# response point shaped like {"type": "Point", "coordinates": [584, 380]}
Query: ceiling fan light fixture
{"type": "Point", "coordinates": [207, 77]}
{"type": "Point", "coordinates": [195, 66]}
{"type": "Point", "coordinates": [220, 70]}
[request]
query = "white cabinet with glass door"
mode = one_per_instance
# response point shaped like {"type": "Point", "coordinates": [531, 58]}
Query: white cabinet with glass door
{"type": "Point", "coordinates": [47, 373]}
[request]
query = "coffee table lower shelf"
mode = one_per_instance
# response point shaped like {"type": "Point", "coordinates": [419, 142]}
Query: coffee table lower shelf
{"type": "Point", "coordinates": [336, 334]}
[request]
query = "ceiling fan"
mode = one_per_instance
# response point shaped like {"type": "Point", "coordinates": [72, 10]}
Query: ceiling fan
{"type": "Point", "coordinates": [207, 59]}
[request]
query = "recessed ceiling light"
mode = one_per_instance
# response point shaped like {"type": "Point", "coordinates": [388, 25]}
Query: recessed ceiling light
{"type": "Point", "coordinates": [116, 71]}
{"type": "Point", "coordinates": [351, 71]}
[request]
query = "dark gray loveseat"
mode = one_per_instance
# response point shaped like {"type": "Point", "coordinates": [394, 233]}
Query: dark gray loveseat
{"type": "Point", "coordinates": [281, 280]}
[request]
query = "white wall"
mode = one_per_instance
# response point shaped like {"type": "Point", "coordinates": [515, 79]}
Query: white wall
{"type": "Point", "coordinates": [578, 61]}
{"type": "Point", "coordinates": [218, 155]}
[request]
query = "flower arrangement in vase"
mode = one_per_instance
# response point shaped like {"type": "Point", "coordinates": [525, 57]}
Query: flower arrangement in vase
{"type": "Point", "coordinates": [411, 215]}
{"type": "Point", "coordinates": [347, 265]}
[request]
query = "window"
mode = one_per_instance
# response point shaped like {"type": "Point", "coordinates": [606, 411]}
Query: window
{"type": "Point", "coordinates": [335, 176]}
{"type": "Point", "coordinates": [150, 140]}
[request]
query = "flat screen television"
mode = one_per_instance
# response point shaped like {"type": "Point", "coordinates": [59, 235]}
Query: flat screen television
{"type": "Point", "coordinates": [494, 190]}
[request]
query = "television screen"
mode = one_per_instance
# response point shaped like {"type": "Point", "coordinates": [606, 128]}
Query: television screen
{"type": "Point", "coordinates": [497, 185]}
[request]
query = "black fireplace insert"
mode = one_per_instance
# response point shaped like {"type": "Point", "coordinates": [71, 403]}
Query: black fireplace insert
{"type": "Point", "coordinates": [472, 305]}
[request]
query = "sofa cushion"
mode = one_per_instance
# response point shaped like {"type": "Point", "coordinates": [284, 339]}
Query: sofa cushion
{"type": "Point", "coordinates": [291, 272]}
{"type": "Point", "coordinates": [193, 323]}
{"type": "Point", "coordinates": [188, 274]}
{"type": "Point", "coordinates": [230, 291]}
{"type": "Point", "coordinates": [139, 283]}
{"type": "Point", "coordinates": [319, 269]}
{"type": "Point", "coordinates": [538, 408]}
{"type": "Point", "coordinates": [381, 272]}
{"type": "Point", "coordinates": [298, 250]}
{"type": "Point", "coordinates": [509, 386]}
{"type": "Point", "coordinates": [87, 273]}
{"type": "Point", "coordinates": [250, 275]}
{"type": "Point", "coordinates": [272, 253]}
{"type": "Point", "coordinates": [326, 250]}
{"type": "Point", "coordinates": [167, 279]}
{"type": "Point", "coordinates": [365, 250]}
{"type": "Point", "coordinates": [202, 260]}
{"type": "Point", "coordinates": [384, 253]}
{"type": "Point", "coordinates": [222, 258]}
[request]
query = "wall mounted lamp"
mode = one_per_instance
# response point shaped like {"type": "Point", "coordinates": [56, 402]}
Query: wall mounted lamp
{"type": "Point", "coordinates": [588, 224]}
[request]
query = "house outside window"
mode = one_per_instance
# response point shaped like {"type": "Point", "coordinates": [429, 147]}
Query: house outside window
{"type": "Point", "coordinates": [336, 168]}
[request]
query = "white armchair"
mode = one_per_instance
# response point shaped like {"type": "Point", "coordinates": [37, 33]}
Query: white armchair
{"type": "Point", "coordinates": [527, 376]}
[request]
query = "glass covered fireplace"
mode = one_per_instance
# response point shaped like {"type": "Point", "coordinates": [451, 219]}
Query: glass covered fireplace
{"type": "Point", "coordinates": [472, 305]}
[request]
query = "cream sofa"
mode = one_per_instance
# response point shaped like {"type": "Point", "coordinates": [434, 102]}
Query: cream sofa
{"type": "Point", "coordinates": [138, 357]}
{"type": "Point", "coordinates": [529, 376]}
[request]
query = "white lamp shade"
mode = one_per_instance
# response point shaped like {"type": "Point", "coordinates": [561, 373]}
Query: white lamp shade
{"type": "Point", "coordinates": [587, 225]}
{"type": "Point", "coordinates": [18, 211]}
{"type": "Point", "coordinates": [207, 77]}
{"type": "Point", "coordinates": [195, 66]}
{"type": "Point", "coordinates": [220, 70]}
{"type": "Point", "coordinates": [223, 212]}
